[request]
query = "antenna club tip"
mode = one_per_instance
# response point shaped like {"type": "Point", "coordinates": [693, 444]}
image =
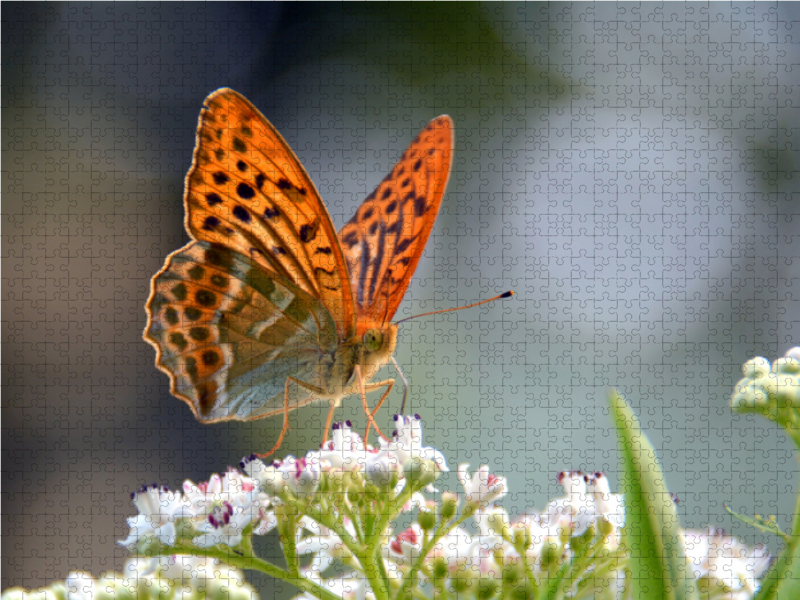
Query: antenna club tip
{"type": "Point", "coordinates": [508, 294]}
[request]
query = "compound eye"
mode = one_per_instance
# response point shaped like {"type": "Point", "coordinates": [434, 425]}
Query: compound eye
{"type": "Point", "coordinates": [373, 340]}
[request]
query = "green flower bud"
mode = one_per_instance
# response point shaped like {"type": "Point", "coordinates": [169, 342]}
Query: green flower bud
{"type": "Point", "coordinates": [579, 542]}
{"type": "Point", "coordinates": [449, 505]}
{"type": "Point", "coordinates": [463, 580]}
{"type": "Point", "coordinates": [420, 472]}
{"type": "Point", "coordinates": [604, 527]}
{"type": "Point", "coordinates": [520, 536]}
{"type": "Point", "coordinates": [551, 552]}
{"type": "Point", "coordinates": [497, 521]}
{"type": "Point", "coordinates": [426, 518]}
{"type": "Point", "coordinates": [440, 568]}
{"type": "Point", "coordinates": [487, 587]}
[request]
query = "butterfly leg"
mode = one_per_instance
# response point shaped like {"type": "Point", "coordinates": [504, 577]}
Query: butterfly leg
{"type": "Point", "coordinates": [312, 388]}
{"type": "Point", "coordinates": [388, 384]}
{"type": "Point", "coordinates": [328, 422]}
{"type": "Point", "coordinates": [364, 388]}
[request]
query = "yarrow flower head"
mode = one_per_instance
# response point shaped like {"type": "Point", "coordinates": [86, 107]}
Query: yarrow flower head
{"type": "Point", "coordinates": [772, 390]}
{"type": "Point", "coordinates": [724, 564]}
{"type": "Point", "coordinates": [158, 510]}
{"type": "Point", "coordinates": [334, 508]}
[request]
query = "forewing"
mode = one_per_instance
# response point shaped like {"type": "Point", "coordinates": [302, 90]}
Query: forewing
{"type": "Point", "coordinates": [385, 239]}
{"type": "Point", "coordinates": [247, 190]}
{"type": "Point", "coordinates": [228, 334]}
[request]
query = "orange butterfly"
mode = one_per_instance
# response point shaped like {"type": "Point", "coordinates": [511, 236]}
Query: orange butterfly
{"type": "Point", "coordinates": [268, 309]}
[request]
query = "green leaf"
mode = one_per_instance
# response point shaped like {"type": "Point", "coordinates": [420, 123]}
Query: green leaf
{"type": "Point", "coordinates": [783, 581]}
{"type": "Point", "coordinates": [765, 525]}
{"type": "Point", "coordinates": [659, 568]}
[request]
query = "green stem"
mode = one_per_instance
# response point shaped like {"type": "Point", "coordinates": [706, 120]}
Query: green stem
{"type": "Point", "coordinates": [253, 563]}
{"type": "Point", "coordinates": [410, 578]}
{"type": "Point", "coordinates": [784, 567]}
{"type": "Point", "coordinates": [373, 570]}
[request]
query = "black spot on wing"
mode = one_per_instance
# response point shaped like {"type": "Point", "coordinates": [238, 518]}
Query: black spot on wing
{"type": "Point", "coordinates": [205, 298]}
{"type": "Point", "coordinates": [192, 313]}
{"type": "Point", "coordinates": [220, 178]}
{"type": "Point", "coordinates": [351, 239]}
{"type": "Point", "coordinates": [244, 191]}
{"type": "Point", "coordinates": [213, 199]}
{"type": "Point", "coordinates": [403, 246]}
{"type": "Point", "coordinates": [420, 206]}
{"type": "Point", "coordinates": [240, 212]}
{"type": "Point", "coordinates": [242, 166]}
{"type": "Point", "coordinates": [260, 179]}
{"type": "Point", "coordinates": [271, 212]}
{"type": "Point", "coordinates": [210, 223]}
{"type": "Point", "coordinates": [309, 231]}
{"type": "Point", "coordinates": [376, 270]}
{"type": "Point", "coordinates": [179, 292]}
{"type": "Point", "coordinates": [239, 145]}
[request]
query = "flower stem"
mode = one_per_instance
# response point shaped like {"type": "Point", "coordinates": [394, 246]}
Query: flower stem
{"type": "Point", "coordinates": [253, 563]}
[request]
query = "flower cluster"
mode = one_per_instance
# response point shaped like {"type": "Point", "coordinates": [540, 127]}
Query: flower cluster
{"type": "Point", "coordinates": [772, 390]}
{"type": "Point", "coordinates": [334, 509]}
{"type": "Point", "coordinates": [193, 577]}
{"type": "Point", "coordinates": [218, 511]}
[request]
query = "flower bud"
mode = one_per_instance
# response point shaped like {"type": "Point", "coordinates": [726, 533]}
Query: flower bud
{"type": "Point", "coordinates": [520, 536]}
{"type": "Point", "coordinates": [756, 368]}
{"type": "Point", "coordinates": [440, 568]}
{"type": "Point", "coordinates": [787, 366]}
{"type": "Point", "coordinates": [487, 588]}
{"type": "Point", "coordinates": [420, 472]}
{"type": "Point", "coordinates": [449, 505]}
{"type": "Point", "coordinates": [551, 552]}
{"type": "Point", "coordinates": [464, 579]}
{"type": "Point", "coordinates": [498, 523]}
{"type": "Point", "coordinates": [427, 517]}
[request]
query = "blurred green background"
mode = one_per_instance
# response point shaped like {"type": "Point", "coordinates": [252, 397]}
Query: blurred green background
{"type": "Point", "coordinates": [629, 170]}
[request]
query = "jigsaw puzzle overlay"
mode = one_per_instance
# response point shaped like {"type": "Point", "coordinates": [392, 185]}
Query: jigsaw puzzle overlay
{"type": "Point", "coordinates": [628, 170]}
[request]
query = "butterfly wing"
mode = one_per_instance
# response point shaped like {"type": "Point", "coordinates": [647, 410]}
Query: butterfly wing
{"type": "Point", "coordinates": [228, 333]}
{"type": "Point", "coordinates": [384, 240]}
{"type": "Point", "coordinates": [247, 190]}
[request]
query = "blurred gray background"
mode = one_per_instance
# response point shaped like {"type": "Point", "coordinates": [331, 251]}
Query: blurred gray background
{"type": "Point", "coordinates": [629, 170]}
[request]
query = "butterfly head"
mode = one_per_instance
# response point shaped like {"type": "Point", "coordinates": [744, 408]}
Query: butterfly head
{"type": "Point", "coordinates": [379, 343]}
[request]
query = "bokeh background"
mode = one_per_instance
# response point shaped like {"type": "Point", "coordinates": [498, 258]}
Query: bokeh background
{"type": "Point", "coordinates": [629, 170]}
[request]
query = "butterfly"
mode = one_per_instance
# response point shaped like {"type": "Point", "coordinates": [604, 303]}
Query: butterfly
{"type": "Point", "coordinates": [268, 309]}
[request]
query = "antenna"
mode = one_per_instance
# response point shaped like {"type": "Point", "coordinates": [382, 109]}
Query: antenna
{"type": "Point", "coordinates": [436, 312]}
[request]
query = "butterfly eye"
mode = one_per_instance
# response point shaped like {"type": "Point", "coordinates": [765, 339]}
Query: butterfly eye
{"type": "Point", "coordinates": [373, 340]}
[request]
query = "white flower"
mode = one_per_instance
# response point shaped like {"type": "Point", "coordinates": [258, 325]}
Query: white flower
{"type": "Point", "coordinates": [224, 525]}
{"type": "Point", "coordinates": [345, 450]}
{"type": "Point", "coordinates": [80, 586]}
{"type": "Point", "coordinates": [158, 508]}
{"type": "Point", "coordinates": [407, 443]}
{"type": "Point", "coordinates": [406, 546]}
{"type": "Point", "coordinates": [483, 488]}
{"type": "Point", "coordinates": [733, 566]}
{"type": "Point", "coordinates": [300, 476]}
{"type": "Point", "coordinates": [606, 504]}
{"type": "Point", "coordinates": [573, 514]}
